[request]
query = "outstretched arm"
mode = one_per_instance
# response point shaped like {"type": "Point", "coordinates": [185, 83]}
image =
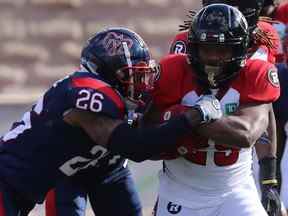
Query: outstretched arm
{"type": "Point", "coordinates": [137, 144]}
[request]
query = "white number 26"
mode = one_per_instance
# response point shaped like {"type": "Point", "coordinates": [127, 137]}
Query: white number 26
{"type": "Point", "coordinates": [88, 100]}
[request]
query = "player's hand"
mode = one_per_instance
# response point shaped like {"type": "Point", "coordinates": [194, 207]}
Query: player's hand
{"type": "Point", "coordinates": [271, 199]}
{"type": "Point", "coordinates": [268, 183]}
{"type": "Point", "coordinates": [134, 118]}
{"type": "Point", "coordinates": [210, 108]}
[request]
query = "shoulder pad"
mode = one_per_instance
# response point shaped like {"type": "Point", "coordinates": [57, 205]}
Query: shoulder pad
{"type": "Point", "coordinates": [179, 44]}
{"type": "Point", "coordinates": [174, 71]}
{"type": "Point", "coordinates": [94, 95]}
{"type": "Point", "coordinates": [261, 81]}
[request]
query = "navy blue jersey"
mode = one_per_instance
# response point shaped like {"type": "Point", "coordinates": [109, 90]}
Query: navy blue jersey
{"type": "Point", "coordinates": [281, 105]}
{"type": "Point", "coordinates": [41, 148]}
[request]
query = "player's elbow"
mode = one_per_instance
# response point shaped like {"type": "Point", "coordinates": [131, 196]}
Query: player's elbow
{"type": "Point", "coordinates": [246, 139]}
{"type": "Point", "coordinates": [250, 135]}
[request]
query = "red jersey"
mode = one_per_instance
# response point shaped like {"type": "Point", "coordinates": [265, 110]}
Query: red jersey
{"type": "Point", "coordinates": [256, 82]}
{"type": "Point", "coordinates": [179, 43]}
{"type": "Point", "coordinates": [205, 165]}
{"type": "Point", "coordinates": [281, 13]}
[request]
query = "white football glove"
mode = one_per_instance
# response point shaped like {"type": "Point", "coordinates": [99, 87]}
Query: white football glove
{"type": "Point", "coordinates": [210, 108]}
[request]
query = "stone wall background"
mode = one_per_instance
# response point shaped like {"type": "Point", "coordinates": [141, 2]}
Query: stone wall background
{"type": "Point", "coordinates": [40, 40]}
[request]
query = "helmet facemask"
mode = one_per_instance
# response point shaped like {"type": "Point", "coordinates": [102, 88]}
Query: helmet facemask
{"type": "Point", "coordinates": [137, 80]}
{"type": "Point", "coordinates": [217, 44]}
{"type": "Point", "coordinates": [217, 62]}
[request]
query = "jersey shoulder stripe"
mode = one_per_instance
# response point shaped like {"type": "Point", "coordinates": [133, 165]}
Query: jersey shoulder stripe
{"type": "Point", "coordinates": [88, 82]}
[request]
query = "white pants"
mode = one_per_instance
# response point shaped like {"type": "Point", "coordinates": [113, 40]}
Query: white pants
{"type": "Point", "coordinates": [244, 201]}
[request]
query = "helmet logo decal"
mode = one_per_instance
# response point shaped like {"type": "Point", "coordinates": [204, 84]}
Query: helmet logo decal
{"type": "Point", "coordinates": [112, 43]}
{"type": "Point", "coordinates": [216, 17]}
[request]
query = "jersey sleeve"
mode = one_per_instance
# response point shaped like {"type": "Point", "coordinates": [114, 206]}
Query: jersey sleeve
{"type": "Point", "coordinates": [281, 105]}
{"type": "Point", "coordinates": [262, 83]}
{"type": "Point", "coordinates": [94, 95]}
{"type": "Point", "coordinates": [159, 93]}
{"type": "Point", "coordinates": [167, 87]}
{"type": "Point", "coordinates": [179, 43]}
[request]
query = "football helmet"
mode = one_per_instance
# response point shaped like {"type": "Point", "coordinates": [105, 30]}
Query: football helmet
{"type": "Point", "coordinates": [218, 25]}
{"type": "Point", "coordinates": [250, 9]}
{"type": "Point", "coordinates": [122, 59]}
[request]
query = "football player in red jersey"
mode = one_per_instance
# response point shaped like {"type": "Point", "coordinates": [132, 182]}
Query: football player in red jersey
{"type": "Point", "coordinates": [264, 38]}
{"type": "Point", "coordinates": [264, 45]}
{"type": "Point", "coordinates": [214, 177]}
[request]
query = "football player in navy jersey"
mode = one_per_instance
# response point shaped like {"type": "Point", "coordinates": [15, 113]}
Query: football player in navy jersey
{"type": "Point", "coordinates": [281, 114]}
{"type": "Point", "coordinates": [85, 122]}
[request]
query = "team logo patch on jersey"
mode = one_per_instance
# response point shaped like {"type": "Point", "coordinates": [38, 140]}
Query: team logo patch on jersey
{"type": "Point", "coordinates": [273, 77]}
{"type": "Point", "coordinates": [179, 47]}
{"type": "Point", "coordinates": [173, 208]}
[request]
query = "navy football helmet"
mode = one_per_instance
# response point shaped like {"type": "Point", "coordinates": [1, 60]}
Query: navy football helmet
{"type": "Point", "coordinates": [122, 59]}
{"type": "Point", "coordinates": [222, 26]}
{"type": "Point", "coordinates": [250, 9]}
